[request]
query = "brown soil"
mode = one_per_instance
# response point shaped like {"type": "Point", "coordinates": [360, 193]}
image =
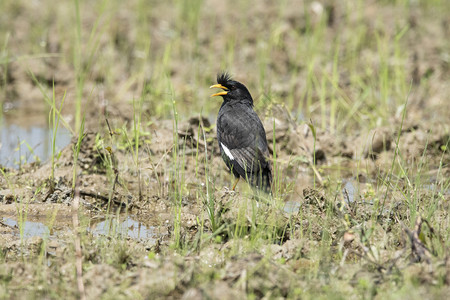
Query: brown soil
{"type": "Point", "coordinates": [112, 181]}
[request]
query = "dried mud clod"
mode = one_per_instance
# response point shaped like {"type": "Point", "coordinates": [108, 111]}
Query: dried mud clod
{"type": "Point", "coordinates": [260, 275]}
{"type": "Point", "coordinates": [380, 141]}
{"type": "Point", "coordinates": [315, 198]}
{"type": "Point", "coordinates": [91, 158]}
{"type": "Point", "coordinates": [336, 245]}
{"type": "Point", "coordinates": [233, 210]}
{"type": "Point", "coordinates": [196, 131]}
{"type": "Point", "coordinates": [214, 290]}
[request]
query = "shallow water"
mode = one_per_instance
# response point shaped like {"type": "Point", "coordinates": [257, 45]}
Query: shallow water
{"type": "Point", "coordinates": [292, 207]}
{"type": "Point", "coordinates": [30, 229]}
{"type": "Point", "coordinates": [349, 190]}
{"type": "Point", "coordinates": [127, 227]}
{"type": "Point", "coordinates": [19, 145]}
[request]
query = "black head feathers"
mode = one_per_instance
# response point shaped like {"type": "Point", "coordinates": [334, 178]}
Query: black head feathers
{"type": "Point", "coordinates": [233, 91]}
{"type": "Point", "coordinates": [223, 78]}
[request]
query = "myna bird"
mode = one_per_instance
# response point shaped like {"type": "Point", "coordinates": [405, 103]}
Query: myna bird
{"type": "Point", "coordinates": [241, 135]}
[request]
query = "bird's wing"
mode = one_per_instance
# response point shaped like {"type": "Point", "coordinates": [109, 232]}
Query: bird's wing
{"type": "Point", "coordinates": [242, 139]}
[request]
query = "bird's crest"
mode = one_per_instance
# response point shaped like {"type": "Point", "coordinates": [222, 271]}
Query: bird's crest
{"type": "Point", "coordinates": [223, 78]}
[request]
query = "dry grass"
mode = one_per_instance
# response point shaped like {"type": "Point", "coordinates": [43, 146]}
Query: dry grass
{"type": "Point", "coordinates": [354, 96]}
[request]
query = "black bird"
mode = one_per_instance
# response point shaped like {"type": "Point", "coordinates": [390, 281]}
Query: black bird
{"type": "Point", "coordinates": [241, 135]}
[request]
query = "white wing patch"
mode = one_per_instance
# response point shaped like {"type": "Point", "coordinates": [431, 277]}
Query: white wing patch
{"type": "Point", "coordinates": [227, 152]}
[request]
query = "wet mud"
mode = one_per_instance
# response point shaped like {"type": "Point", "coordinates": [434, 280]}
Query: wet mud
{"type": "Point", "coordinates": [160, 221]}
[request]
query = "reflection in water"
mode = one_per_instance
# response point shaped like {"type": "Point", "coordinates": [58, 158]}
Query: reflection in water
{"type": "Point", "coordinates": [20, 145]}
{"type": "Point", "coordinates": [30, 229]}
{"type": "Point", "coordinates": [127, 228]}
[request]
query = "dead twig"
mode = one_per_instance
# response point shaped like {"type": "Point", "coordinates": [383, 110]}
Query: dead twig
{"type": "Point", "coordinates": [418, 249]}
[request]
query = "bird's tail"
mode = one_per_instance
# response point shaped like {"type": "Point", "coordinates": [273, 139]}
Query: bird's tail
{"type": "Point", "coordinates": [262, 180]}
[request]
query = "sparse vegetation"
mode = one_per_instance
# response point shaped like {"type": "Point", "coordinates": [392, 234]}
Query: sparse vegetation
{"type": "Point", "coordinates": [354, 99]}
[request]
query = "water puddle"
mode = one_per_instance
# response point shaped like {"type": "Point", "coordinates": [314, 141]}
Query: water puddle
{"type": "Point", "coordinates": [291, 207]}
{"type": "Point", "coordinates": [30, 229]}
{"type": "Point", "coordinates": [433, 185]}
{"type": "Point", "coordinates": [19, 145]}
{"type": "Point", "coordinates": [126, 228]}
{"type": "Point", "coordinates": [349, 190]}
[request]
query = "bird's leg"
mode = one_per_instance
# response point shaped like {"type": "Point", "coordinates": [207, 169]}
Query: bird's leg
{"type": "Point", "coordinates": [235, 184]}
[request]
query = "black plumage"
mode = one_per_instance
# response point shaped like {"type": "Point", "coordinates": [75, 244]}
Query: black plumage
{"type": "Point", "coordinates": [241, 135]}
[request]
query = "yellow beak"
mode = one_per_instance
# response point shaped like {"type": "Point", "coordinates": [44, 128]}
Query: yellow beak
{"type": "Point", "coordinates": [220, 87]}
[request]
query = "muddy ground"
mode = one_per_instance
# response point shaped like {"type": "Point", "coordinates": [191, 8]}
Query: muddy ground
{"type": "Point", "coordinates": [368, 218]}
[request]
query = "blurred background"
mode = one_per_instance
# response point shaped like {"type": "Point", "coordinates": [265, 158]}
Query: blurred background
{"type": "Point", "coordinates": [345, 65]}
{"type": "Point", "coordinates": [354, 97]}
